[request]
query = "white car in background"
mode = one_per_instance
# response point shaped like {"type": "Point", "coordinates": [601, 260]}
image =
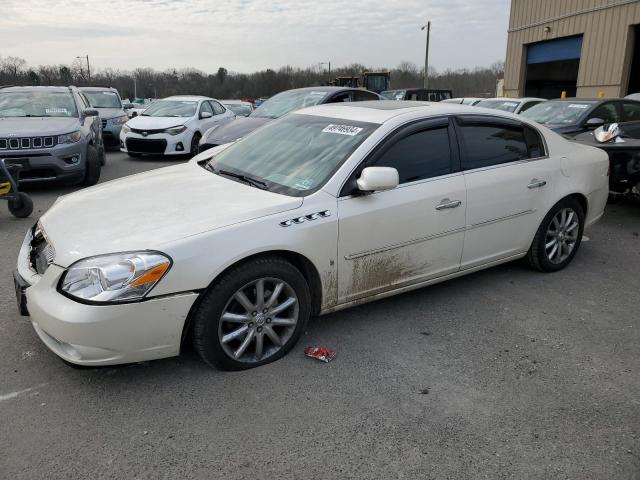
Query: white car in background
{"type": "Point", "coordinates": [172, 126]}
{"type": "Point", "coordinates": [511, 105]}
{"type": "Point", "coordinates": [239, 107]}
{"type": "Point", "coordinates": [322, 209]}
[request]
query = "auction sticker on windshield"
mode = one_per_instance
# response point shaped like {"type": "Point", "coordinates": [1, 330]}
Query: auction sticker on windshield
{"type": "Point", "coordinates": [342, 129]}
{"type": "Point", "coordinates": [578, 105]}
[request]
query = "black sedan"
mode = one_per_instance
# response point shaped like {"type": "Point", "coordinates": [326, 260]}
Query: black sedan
{"type": "Point", "coordinates": [624, 156]}
{"type": "Point", "coordinates": [571, 116]}
{"type": "Point", "coordinates": [279, 105]}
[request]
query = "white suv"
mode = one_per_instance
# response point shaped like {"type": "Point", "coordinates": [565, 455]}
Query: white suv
{"type": "Point", "coordinates": [172, 126]}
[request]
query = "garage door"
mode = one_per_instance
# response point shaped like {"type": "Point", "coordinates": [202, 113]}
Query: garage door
{"type": "Point", "coordinates": [552, 67]}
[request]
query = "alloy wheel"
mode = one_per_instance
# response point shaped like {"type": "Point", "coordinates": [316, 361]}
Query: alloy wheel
{"type": "Point", "coordinates": [562, 235]}
{"type": "Point", "coordinates": [258, 320]}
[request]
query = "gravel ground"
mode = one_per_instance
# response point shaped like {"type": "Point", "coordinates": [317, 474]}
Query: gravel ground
{"type": "Point", "coordinates": [506, 373]}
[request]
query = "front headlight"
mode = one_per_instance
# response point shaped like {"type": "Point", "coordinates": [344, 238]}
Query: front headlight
{"type": "Point", "coordinates": [176, 130]}
{"type": "Point", "coordinates": [117, 277]}
{"type": "Point", "coordinates": [73, 137]}
{"type": "Point", "coordinates": [126, 128]}
{"type": "Point", "coordinates": [118, 120]}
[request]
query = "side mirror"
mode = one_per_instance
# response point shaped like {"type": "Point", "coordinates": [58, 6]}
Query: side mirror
{"type": "Point", "coordinates": [127, 106]}
{"type": "Point", "coordinates": [594, 123]}
{"type": "Point", "coordinates": [378, 179]}
{"type": "Point", "coordinates": [206, 115]}
{"type": "Point", "coordinates": [90, 112]}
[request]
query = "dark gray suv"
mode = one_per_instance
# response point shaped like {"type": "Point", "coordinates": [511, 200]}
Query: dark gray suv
{"type": "Point", "coordinates": [51, 134]}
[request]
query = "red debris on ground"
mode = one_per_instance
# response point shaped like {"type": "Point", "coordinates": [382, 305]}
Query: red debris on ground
{"type": "Point", "coordinates": [320, 353]}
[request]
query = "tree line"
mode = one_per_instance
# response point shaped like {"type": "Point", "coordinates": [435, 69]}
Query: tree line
{"type": "Point", "coordinates": [150, 83]}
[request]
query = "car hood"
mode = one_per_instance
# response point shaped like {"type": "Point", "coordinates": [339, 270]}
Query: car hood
{"type": "Point", "coordinates": [147, 211]}
{"type": "Point", "coordinates": [153, 123]}
{"type": "Point", "coordinates": [38, 126]}
{"type": "Point", "coordinates": [107, 113]}
{"type": "Point", "coordinates": [232, 131]}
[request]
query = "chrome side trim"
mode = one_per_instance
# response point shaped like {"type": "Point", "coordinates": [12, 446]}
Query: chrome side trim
{"type": "Point", "coordinates": [305, 218]}
{"type": "Point", "coordinates": [366, 253]}
{"type": "Point", "coordinates": [374, 251]}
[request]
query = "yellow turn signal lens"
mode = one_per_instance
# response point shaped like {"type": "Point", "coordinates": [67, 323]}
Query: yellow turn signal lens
{"type": "Point", "coordinates": [151, 276]}
{"type": "Point", "coordinates": [5, 188]}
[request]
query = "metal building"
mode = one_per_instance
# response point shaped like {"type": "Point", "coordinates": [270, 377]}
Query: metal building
{"type": "Point", "coordinates": [581, 47]}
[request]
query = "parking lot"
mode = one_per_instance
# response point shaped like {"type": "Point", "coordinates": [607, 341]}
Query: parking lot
{"type": "Point", "coordinates": [506, 373]}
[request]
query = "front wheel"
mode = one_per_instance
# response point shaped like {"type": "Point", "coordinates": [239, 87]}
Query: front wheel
{"type": "Point", "coordinates": [195, 141]}
{"type": "Point", "coordinates": [558, 237]}
{"type": "Point", "coordinates": [92, 167]}
{"type": "Point", "coordinates": [253, 315]}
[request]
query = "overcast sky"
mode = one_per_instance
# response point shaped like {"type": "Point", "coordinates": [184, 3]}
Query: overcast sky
{"type": "Point", "coordinates": [249, 35]}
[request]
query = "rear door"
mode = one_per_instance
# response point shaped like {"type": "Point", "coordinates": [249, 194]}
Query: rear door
{"type": "Point", "coordinates": [411, 233]}
{"type": "Point", "coordinates": [509, 179]}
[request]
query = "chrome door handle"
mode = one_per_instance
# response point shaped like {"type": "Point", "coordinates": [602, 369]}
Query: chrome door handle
{"type": "Point", "coordinates": [446, 203]}
{"type": "Point", "coordinates": [535, 183]}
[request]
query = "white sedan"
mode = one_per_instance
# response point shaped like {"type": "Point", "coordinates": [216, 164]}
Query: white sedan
{"type": "Point", "coordinates": [325, 208]}
{"type": "Point", "coordinates": [172, 126]}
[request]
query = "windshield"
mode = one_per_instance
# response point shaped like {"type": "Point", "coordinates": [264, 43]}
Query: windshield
{"type": "Point", "coordinates": [504, 105]}
{"type": "Point", "coordinates": [171, 108]}
{"type": "Point", "coordinates": [286, 102]}
{"type": "Point", "coordinates": [103, 99]}
{"type": "Point", "coordinates": [242, 110]}
{"type": "Point", "coordinates": [37, 104]}
{"type": "Point", "coordinates": [295, 155]}
{"type": "Point", "coordinates": [558, 113]}
{"type": "Point", "coordinates": [394, 94]}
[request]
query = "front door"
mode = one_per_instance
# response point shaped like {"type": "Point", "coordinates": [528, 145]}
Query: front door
{"type": "Point", "coordinates": [409, 234]}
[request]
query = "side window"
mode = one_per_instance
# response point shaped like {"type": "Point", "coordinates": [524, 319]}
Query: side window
{"type": "Point", "coordinates": [420, 155]}
{"type": "Point", "coordinates": [341, 97]}
{"type": "Point", "coordinates": [487, 144]}
{"type": "Point", "coordinates": [217, 108]}
{"type": "Point", "coordinates": [205, 107]}
{"type": "Point", "coordinates": [361, 96]}
{"type": "Point", "coordinates": [535, 146]}
{"type": "Point", "coordinates": [630, 111]}
{"type": "Point", "coordinates": [528, 105]}
{"type": "Point", "coordinates": [607, 111]}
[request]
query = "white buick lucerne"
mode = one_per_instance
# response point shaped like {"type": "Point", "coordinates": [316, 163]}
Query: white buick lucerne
{"type": "Point", "coordinates": [325, 208]}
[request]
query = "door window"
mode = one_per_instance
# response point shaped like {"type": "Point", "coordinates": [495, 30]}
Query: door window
{"type": "Point", "coordinates": [205, 107]}
{"type": "Point", "coordinates": [341, 97]}
{"type": "Point", "coordinates": [528, 105]}
{"type": "Point", "coordinates": [420, 155]}
{"type": "Point", "coordinates": [361, 96]}
{"type": "Point", "coordinates": [607, 112]}
{"type": "Point", "coordinates": [630, 111]}
{"type": "Point", "coordinates": [487, 144]}
{"type": "Point", "coordinates": [217, 108]}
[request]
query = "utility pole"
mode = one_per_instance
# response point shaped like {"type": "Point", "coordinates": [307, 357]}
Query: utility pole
{"type": "Point", "coordinates": [88, 68]}
{"type": "Point", "coordinates": [426, 27]}
{"type": "Point", "coordinates": [135, 87]}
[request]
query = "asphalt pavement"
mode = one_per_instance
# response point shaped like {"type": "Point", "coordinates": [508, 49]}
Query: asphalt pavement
{"type": "Point", "coordinates": [505, 373]}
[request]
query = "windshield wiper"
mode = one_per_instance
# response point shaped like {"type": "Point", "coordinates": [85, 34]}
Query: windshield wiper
{"type": "Point", "coordinates": [251, 181]}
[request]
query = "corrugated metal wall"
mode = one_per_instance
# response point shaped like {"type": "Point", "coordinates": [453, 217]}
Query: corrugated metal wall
{"type": "Point", "coordinates": [607, 40]}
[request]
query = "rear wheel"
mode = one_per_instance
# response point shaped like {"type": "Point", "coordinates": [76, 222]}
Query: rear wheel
{"type": "Point", "coordinates": [21, 206]}
{"type": "Point", "coordinates": [103, 155]}
{"type": "Point", "coordinates": [92, 167]}
{"type": "Point", "coordinates": [253, 315]}
{"type": "Point", "coordinates": [195, 140]}
{"type": "Point", "coordinates": [558, 237]}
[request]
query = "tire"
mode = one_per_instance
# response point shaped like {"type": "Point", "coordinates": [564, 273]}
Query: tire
{"type": "Point", "coordinates": [22, 206]}
{"type": "Point", "coordinates": [103, 156]}
{"type": "Point", "coordinates": [545, 255]}
{"type": "Point", "coordinates": [195, 140]}
{"type": "Point", "coordinates": [92, 167]}
{"type": "Point", "coordinates": [209, 327]}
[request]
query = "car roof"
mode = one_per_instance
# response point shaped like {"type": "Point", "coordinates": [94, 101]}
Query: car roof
{"type": "Point", "coordinates": [31, 88]}
{"type": "Point", "coordinates": [235, 102]}
{"type": "Point", "coordinates": [323, 88]}
{"type": "Point", "coordinates": [187, 98]}
{"type": "Point", "coordinates": [514, 99]}
{"type": "Point", "coordinates": [96, 89]}
{"type": "Point", "coordinates": [381, 111]}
